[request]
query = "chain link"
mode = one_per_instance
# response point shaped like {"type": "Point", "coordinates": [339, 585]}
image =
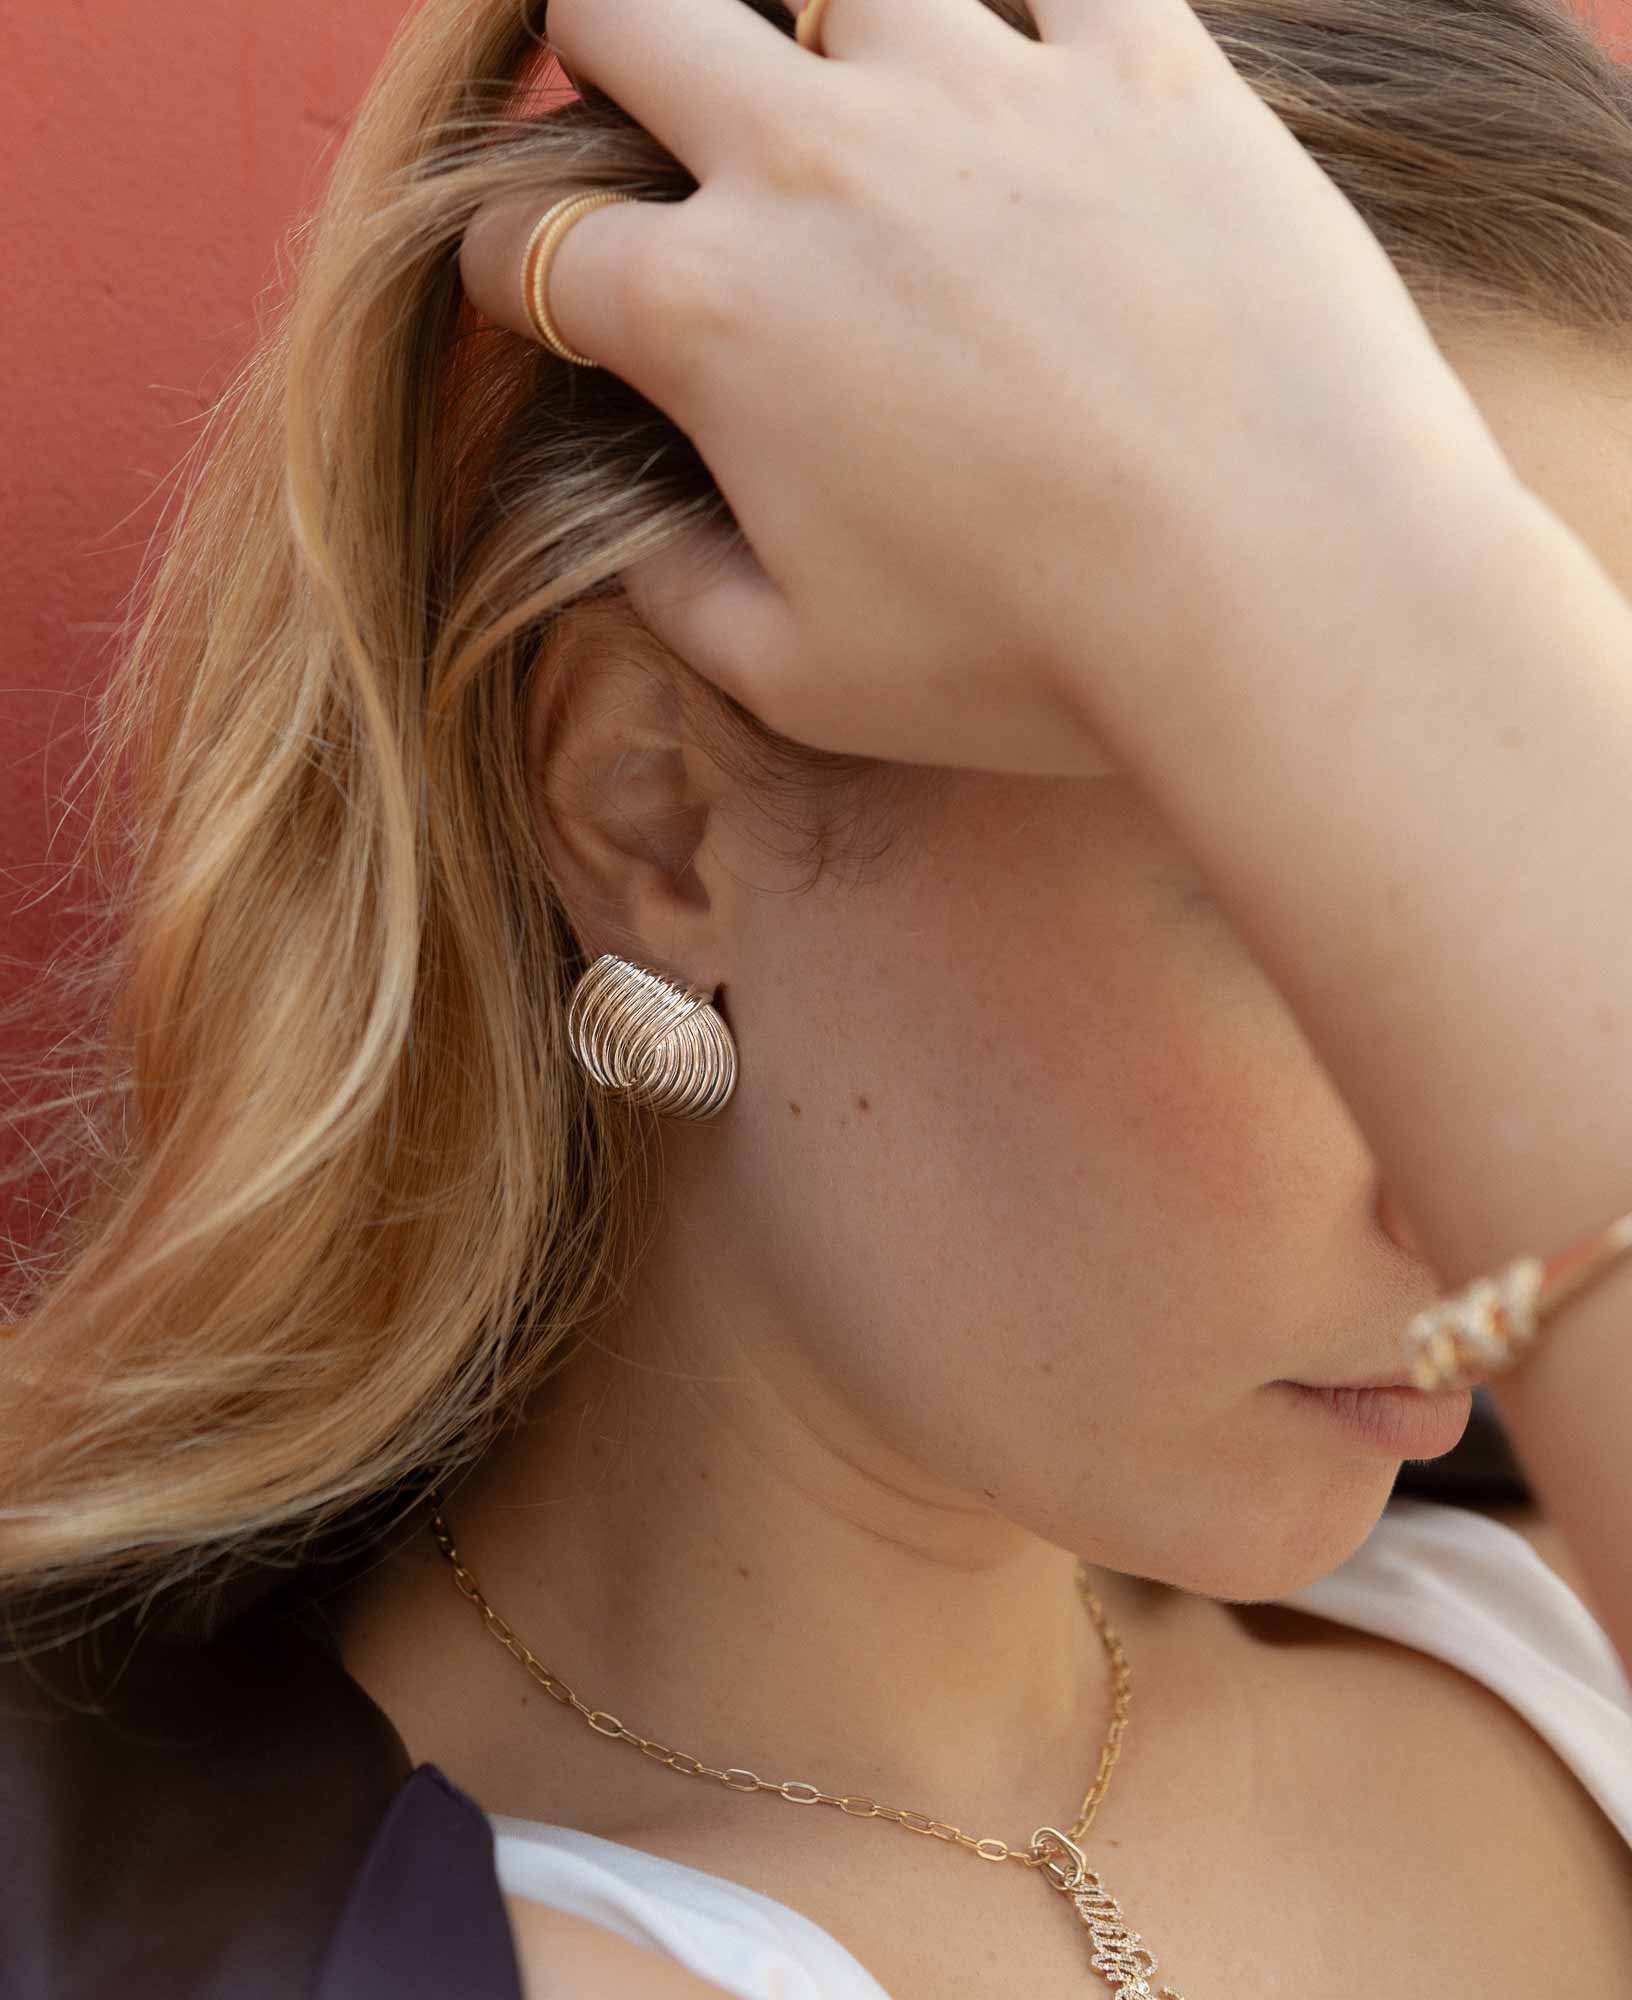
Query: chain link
{"type": "Point", "coordinates": [795, 1790]}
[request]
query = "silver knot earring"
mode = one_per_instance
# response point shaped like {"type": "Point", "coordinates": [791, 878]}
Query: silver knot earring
{"type": "Point", "coordinates": [643, 1037]}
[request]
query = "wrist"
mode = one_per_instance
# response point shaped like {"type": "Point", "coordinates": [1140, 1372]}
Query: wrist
{"type": "Point", "coordinates": [1273, 656]}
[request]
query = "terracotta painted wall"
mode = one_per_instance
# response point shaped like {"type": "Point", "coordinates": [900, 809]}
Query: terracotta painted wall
{"type": "Point", "coordinates": [153, 157]}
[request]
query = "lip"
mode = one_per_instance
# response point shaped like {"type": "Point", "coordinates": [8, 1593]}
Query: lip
{"type": "Point", "coordinates": [1397, 1421]}
{"type": "Point", "coordinates": [1371, 1382]}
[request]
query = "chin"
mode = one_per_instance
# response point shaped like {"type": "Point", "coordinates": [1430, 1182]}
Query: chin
{"type": "Point", "coordinates": [1267, 1551]}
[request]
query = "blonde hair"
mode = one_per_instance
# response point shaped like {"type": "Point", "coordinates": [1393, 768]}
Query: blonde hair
{"type": "Point", "coordinates": [329, 1198]}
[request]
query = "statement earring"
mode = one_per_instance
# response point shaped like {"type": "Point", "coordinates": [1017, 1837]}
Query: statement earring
{"type": "Point", "coordinates": [643, 1037]}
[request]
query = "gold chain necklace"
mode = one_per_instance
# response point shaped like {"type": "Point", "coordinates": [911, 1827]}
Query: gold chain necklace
{"type": "Point", "coordinates": [1127, 1963]}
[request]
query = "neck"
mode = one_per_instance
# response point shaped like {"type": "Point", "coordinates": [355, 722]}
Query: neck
{"type": "Point", "coordinates": [715, 1559]}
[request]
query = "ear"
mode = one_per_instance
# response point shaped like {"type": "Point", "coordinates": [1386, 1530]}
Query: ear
{"type": "Point", "coordinates": [623, 799]}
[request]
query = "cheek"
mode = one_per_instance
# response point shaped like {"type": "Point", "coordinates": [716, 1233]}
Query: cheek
{"type": "Point", "coordinates": [1178, 1085]}
{"type": "Point", "coordinates": [1109, 1083]}
{"type": "Point", "coordinates": [1035, 1065]}
{"type": "Point", "coordinates": [1066, 1189]}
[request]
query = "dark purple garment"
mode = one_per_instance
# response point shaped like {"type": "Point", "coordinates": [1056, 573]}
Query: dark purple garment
{"type": "Point", "coordinates": [232, 1819]}
{"type": "Point", "coordinates": [424, 1917]}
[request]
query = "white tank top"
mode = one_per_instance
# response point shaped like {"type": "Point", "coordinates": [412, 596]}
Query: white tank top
{"type": "Point", "coordinates": [1441, 1579]}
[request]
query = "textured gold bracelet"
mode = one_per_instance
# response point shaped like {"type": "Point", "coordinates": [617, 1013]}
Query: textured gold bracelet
{"type": "Point", "coordinates": [1489, 1325]}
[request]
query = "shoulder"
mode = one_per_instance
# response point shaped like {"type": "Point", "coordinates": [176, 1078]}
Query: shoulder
{"type": "Point", "coordinates": [1545, 1539]}
{"type": "Point", "coordinates": [567, 1957]}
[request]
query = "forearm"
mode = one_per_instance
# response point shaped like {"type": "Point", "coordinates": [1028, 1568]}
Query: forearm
{"type": "Point", "coordinates": [1568, 1409]}
{"type": "Point", "coordinates": [1417, 807]}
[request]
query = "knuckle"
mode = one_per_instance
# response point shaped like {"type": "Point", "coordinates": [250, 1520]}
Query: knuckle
{"type": "Point", "coordinates": [1158, 67]}
{"type": "Point", "coordinates": [831, 150]}
{"type": "Point", "coordinates": [763, 131]}
{"type": "Point", "coordinates": [683, 280]}
{"type": "Point", "coordinates": [1006, 82]}
{"type": "Point", "coordinates": [678, 296]}
{"type": "Point", "coordinates": [802, 162]}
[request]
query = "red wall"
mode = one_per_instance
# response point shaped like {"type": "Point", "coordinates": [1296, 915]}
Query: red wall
{"type": "Point", "coordinates": [152, 164]}
{"type": "Point", "coordinates": [155, 155]}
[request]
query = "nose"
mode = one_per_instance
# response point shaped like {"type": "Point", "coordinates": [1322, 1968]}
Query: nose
{"type": "Point", "coordinates": [1394, 1222]}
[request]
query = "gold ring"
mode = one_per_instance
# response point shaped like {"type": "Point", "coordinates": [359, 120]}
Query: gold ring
{"type": "Point", "coordinates": [807, 26]}
{"type": "Point", "coordinates": [542, 244]}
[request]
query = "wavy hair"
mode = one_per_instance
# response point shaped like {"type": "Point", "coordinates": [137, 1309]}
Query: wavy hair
{"type": "Point", "coordinates": [327, 1199]}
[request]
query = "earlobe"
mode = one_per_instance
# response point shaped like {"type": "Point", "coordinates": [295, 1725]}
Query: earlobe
{"type": "Point", "coordinates": [622, 799]}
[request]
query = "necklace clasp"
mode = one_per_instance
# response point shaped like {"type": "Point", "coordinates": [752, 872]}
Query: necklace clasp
{"type": "Point", "coordinates": [1065, 1875]}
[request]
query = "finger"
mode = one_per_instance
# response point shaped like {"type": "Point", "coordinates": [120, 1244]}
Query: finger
{"type": "Point", "coordinates": [1134, 29]}
{"type": "Point", "coordinates": [705, 78]}
{"type": "Point", "coordinates": [599, 308]}
{"type": "Point", "coordinates": [910, 31]}
{"type": "Point", "coordinates": [709, 601]}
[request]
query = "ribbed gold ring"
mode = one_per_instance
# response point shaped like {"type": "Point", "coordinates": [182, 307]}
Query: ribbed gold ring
{"type": "Point", "coordinates": [535, 266]}
{"type": "Point", "coordinates": [807, 26]}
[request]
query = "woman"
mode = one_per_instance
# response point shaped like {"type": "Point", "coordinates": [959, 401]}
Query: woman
{"type": "Point", "coordinates": [1096, 644]}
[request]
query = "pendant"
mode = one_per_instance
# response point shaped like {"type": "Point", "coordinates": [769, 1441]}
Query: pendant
{"type": "Point", "coordinates": [1120, 1954]}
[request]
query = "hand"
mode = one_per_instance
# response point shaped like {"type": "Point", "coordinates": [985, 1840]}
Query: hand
{"type": "Point", "coordinates": [1023, 365]}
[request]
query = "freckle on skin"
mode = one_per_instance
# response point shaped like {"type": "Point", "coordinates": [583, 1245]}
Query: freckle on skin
{"type": "Point", "coordinates": [794, 1109]}
{"type": "Point", "coordinates": [862, 1104]}
{"type": "Point", "coordinates": [740, 1570]}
